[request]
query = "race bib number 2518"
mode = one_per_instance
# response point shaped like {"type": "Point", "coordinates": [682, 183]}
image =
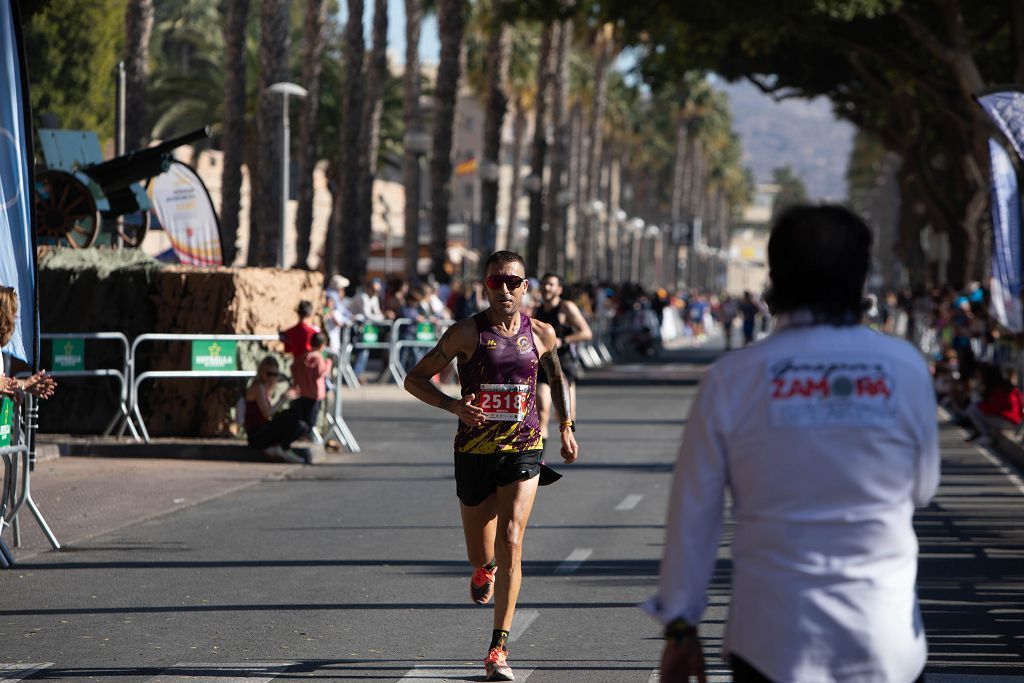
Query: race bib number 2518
{"type": "Point", "coordinates": [503, 402]}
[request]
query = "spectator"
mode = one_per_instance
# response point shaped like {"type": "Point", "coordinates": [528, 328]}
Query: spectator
{"type": "Point", "coordinates": [310, 376]}
{"type": "Point", "coordinates": [296, 338]}
{"type": "Point", "coordinates": [40, 384]}
{"type": "Point", "coordinates": [366, 309]}
{"type": "Point", "coordinates": [999, 407]}
{"type": "Point", "coordinates": [749, 311]}
{"type": "Point", "coordinates": [269, 429]}
{"type": "Point", "coordinates": [336, 313]}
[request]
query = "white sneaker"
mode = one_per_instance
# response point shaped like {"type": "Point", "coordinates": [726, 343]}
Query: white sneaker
{"type": "Point", "coordinates": [274, 453]}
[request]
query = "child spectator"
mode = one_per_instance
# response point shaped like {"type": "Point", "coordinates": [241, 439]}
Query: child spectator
{"type": "Point", "coordinates": [268, 430]}
{"type": "Point", "coordinates": [309, 372]}
{"type": "Point", "coordinates": [296, 338]}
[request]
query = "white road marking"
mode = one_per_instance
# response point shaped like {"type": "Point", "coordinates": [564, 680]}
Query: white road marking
{"type": "Point", "coordinates": [244, 672]}
{"type": "Point", "coordinates": [1006, 472]}
{"type": "Point", "coordinates": [16, 672]}
{"type": "Point", "coordinates": [971, 678]}
{"type": "Point", "coordinates": [521, 621]}
{"type": "Point", "coordinates": [714, 675]}
{"type": "Point", "coordinates": [630, 501]}
{"type": "Point", "coordinates": [426, 673]}
{"type": "Point", "coordinates": [573, 562]}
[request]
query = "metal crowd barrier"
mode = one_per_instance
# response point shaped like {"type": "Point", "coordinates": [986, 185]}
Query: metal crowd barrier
{"type": "Point", "coordinates": [349, 347]}
{"type": "Point", "coordinates": [595, 353]}
{"type": "Point", "coordinates": [335, 421]}
{"type": "Point", "coordinates": [137, 380]}
{"type": "Point", "coordinates": [12, 497]}
{"type": "Point", "coordinates": [122, 420]}
{"type": "Point", "coordinates": [396, 365]}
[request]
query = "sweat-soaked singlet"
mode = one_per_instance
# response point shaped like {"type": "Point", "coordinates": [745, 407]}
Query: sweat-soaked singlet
{"type": "Point", "coordinates": [507, 361]}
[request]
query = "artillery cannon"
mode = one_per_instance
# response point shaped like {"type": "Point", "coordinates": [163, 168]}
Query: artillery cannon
{"type": "Point", "coordinates": [80, 197]}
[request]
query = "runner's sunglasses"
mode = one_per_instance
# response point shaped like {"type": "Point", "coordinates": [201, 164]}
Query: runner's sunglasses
{"type": "Point", "coordinates": [511, 281]}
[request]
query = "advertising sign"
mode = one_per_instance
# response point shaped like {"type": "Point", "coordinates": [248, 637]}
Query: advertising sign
{"type": "Point", "coordinates": [185, 211]}
{"type": "Point", "coordinates": [212, 354]}
{"type": "Point", "coordinates": [68, 355]}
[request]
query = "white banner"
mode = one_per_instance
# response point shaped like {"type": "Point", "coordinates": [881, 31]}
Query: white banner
{"type": "Point", "coordinates": [185, 211]}
{"type": "Point", "coordinates": [1006, 238]}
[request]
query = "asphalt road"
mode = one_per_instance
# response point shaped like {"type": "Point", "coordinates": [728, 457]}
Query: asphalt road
{"type": "Point", "coordinates": [356, 571]}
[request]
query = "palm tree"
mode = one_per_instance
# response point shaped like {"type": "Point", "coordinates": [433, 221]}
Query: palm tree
{"type": "Point", "coordinates": [523, 88]}
{"type": "Point", "coordinates": [233, 127]}
{"type": "Point", "coordinates": [138, 24]}
{"type": "Point", "coordinates": [496, 103]}
{"type": "Point", "coordinates": [413, 128]}
{"type": "Point", "coordinates": [376, 77]}
{"type": "Point", "coordinates": [554, 247]}
{"type": "Point", "coordinates": [343, 230]}
{"type": "Point", "coordinates": [539, 152]}
{"type": "Point", "coordinates": [451, 20]}
{"type": "Point", "coordinates": [314, 40]}
{"type": "Point", "coordinates": [591, 260]}
{"type": "Point", "coordinates": [264, 224]}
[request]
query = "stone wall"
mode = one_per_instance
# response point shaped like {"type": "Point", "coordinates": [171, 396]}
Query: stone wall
{"type": "Point", "coordinates": [103, 290]}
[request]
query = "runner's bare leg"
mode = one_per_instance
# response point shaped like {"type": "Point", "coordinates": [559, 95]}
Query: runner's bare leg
{"type": "Point", "coordinates": [479, 523]}
{"type": "Point", "coordinates": [515, 502]}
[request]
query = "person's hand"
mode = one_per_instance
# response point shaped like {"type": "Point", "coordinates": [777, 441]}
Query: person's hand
{"type": "Point", "coordinates": [681, 662]}
{"type": "Point", "coordinates": [467, 412]}
{"type": "Point", "coordinates": [40, 385]}
{"type": "Point", "coordinates": [8, 385]}
{"type": "Point", "coordinates": [292, 393]}
{"type": "Point", "coordinates": [570, 451]}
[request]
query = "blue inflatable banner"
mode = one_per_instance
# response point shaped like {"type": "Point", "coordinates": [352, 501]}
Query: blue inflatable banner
{"type": "Point", "coordinates": [1006, 238]}
{"type": "Point", "coordinates": [17, 248]}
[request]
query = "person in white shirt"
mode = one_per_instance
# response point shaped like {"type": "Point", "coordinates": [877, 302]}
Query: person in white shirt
{"type": "Point", "coordinates": [825, 435]}
{"type": "Point", "coordinates": [365, 308]}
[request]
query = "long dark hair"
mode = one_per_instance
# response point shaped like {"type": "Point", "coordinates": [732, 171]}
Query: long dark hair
{"type": "Point", "coordinates": [818, 259]}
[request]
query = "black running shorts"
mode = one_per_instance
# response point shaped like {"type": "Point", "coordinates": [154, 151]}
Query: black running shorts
{"type": "Point", "coordinates": [478, 476]}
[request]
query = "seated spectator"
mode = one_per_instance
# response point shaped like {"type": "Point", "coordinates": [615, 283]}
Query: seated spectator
{"type": "Point", "coordinates": [999, 407]}
{"type": "Point", "coordinates": [40, 384]}
{"type": "Point", "coordinates": [309, 372]}
{"type": "Point", "coordinates": [269, 429]}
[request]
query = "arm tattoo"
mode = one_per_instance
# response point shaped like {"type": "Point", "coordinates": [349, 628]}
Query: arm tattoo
{"type": "Point", "coordinates": [438, 350]}
{"type": "Point", "coordinates": [559, 387]}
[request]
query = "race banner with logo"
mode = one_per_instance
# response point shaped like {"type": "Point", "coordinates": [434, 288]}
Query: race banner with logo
{"type": "Point", "coordinates": [17, 245]}
{"type": "Point", "coordinates": [1006, 238]}
{"type": "Point", "coordinates": [1005, 106]}
{"type": "Point", "coordinates": [185, 211]}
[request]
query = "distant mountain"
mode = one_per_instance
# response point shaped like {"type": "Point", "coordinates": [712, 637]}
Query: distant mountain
{"type": "Point", "coordinates": [803, 134]}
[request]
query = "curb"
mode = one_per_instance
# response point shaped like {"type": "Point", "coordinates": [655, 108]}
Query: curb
{"type": "Point", "coordinates": [53, 446]}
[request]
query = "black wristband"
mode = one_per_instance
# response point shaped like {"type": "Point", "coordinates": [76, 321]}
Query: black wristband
{"type": "Point", "coordinates": [678, 631]}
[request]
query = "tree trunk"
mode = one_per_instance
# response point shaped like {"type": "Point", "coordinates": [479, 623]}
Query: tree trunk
{"type": "Point", "coordinates": [555, 237]}
{"type": "Point", "coordinates": [602, 54]}
{"type": "Point", "coordinates": [233, 129]}
{"type": "Point", "coordinates": [345, 241]}
{"type": "Point", "coordinates": [138, 24]}
{"type": "Point", "coordinates": [577, 145]}
{"type": "Point", "coordinates": [678, 177]}
{"type": "Point", "coordinates": [264, 223]}
{"type": "Point", "coordinates": [451, 20]}
{"type": "Point", "coordinates": [538, 153]}
{"type": "Point", "coordinates": [518, 131]}
{"type": "Point", "coordinates": [377, 72]}
{"type": "Point", "coordinates": [312, 66]}
{"type": "Point", "coordinates": [413, 125]}
{"type": "Point", "coordinates": [494, 118]}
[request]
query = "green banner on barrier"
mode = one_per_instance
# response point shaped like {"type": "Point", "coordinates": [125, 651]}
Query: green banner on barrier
{"type": "Point", "coordinates": [371, 334]}
{"type": "Point", "coordinates": [6, 421]}
{"type": "Point", "coordinates": [212, 354]}
{"type": "Point", "coordinates": [425, 332]}
{"type": "Point", "coordinates": [68, 355]}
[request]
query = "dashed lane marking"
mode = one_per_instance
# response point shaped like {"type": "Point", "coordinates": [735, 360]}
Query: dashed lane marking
{"type": "Point", "coordinates": [427, 673]}
{"type": "Point", "coordinates": [521, 621]}
{"type": "Point", "coordinates": [573, 562]}
{"type": "Point", "coordinates": [714, 675]}
{"type": "Point", "coordinates": [971, 678]}
{"type": "Point", "coordinates": [630, 501]}
{"type": "Point", "coordinates": [246, 672]}
{"type": "Point", "coordinates": [17, 672]}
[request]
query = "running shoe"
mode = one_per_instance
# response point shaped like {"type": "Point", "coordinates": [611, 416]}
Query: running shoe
{"type": "Point", "coordinates": [481, 585]}
{"type": "Point", "coordinates": [496, 665]}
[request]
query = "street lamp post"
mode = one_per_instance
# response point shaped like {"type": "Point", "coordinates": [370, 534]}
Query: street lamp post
{"type": "Point", "coordinates": [285, 89]}
{"type": "Point", "coordinates": [637, 228]}
{"type": "Point", "coordinates": [416, 142]}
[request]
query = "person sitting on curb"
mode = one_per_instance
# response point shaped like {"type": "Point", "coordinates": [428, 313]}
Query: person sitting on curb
{"type": "Point", "coordinates": [268, 430]}
{"type": "Point", "coordinates": [999, 407]}
{"type": "Point", "coordinates": [309, 372]}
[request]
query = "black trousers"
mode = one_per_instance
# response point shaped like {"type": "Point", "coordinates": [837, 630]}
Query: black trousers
{"type": "Point", "coordinates": [307, 410]}
{"type": "Point", "coordinates": [743, 672]}
{"type": "Point", "coordinates": [282, 429]}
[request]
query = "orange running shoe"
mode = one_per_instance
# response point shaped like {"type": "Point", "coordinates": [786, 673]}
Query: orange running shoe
{"type": "Point", "coordinates": [481, 585]}
{"type": "Point", "coordinates": [496, 665]}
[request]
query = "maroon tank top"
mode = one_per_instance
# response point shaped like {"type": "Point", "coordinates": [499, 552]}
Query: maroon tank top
{"type": "Point", "coordinates": [502, 372]}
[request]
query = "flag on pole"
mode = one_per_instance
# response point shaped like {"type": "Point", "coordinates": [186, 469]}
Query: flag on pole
{"type": "Point", "coordinates": [1006, 239]}
{"type": "Point", "coordinates": [17, 244]}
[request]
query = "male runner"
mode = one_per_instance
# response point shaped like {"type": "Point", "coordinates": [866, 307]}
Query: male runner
{"type": "Point", "coordinates": [570, 328]}
{"type": "Point", "coordinates": [498, 445]}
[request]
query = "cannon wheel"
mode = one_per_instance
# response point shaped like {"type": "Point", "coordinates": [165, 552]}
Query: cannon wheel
{"type": "Point", "coordinates": [65, 211]}
{"type": "Point", "coordinates": [132, 230]}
